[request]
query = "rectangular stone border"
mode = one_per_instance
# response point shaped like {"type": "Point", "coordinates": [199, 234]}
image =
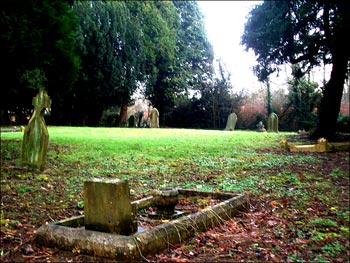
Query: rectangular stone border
{"type": "Point", "coordinates": [151, 241]}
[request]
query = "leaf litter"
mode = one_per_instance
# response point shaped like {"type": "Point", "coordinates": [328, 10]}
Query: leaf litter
{"type": "Point", "coordinates": [298, 211]}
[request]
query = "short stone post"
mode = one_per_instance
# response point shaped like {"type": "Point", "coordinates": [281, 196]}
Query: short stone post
{"type": "Point", "coordinates": [231, 122]}
{"type": "Point", "coordinates": [107, 206]}
{"type": "Point", "coordinates": [322, 145]}
{"type": "Point", "coordinates": [272, 123]}
{"type": "Point", "coordinates": [154, 118]}
{"type": "Point", "coordinates": [36, 136]}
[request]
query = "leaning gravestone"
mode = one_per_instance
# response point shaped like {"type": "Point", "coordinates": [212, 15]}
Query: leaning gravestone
{"type": "Point", "coordinates": [231, 122]}
{"type": "Point", "coordinates": [154, 118]}
{"type": "Point", "coordinates": [36, 136]}
{"type": "Point", "coordinates": [272, 123]}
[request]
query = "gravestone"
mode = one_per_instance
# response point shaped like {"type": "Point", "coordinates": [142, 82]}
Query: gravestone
{"type": "Point", "coordinates": [154, 118]}
{"type": "Point", "coordinates": [231, 122]}
{"type": "Point", "coordinates": [272, 123]}
{"type": "Point", "coordinates": [261, 127]}
{"type": "Point", "coordinates": [131, 121]}
{"type": "Point", "coordinates": [36, 136]}
{"type": "Point", "coordinates": [107, 206]}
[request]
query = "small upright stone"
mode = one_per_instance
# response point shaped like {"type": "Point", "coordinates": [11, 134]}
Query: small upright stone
{"type": "Point", "coordinates": [36, 136]}
{"type": "Point", "coordinates": [107, 206]}
{"type": "Point", "coordinates": [231, 122]}
{"type": "Point", "coordinates": [272, 123]}
{"type": "Point", "coordinates": [261, 127]}
{"type": "Point", "coordinates": [154, 118]}
{"type": "Point", "coordinates": [322, 145]}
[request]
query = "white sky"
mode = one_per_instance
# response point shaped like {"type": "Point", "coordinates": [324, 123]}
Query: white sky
{"type": "Point", "coordinates": [224, 23]}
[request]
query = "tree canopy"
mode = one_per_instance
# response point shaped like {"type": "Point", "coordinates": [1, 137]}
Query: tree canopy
{"type": "Point", "coordinates": [307, 33]}
{"type": "Point", "coordinates": [93, 55]}
{"type": "Point", "coordinates": [37, 47]}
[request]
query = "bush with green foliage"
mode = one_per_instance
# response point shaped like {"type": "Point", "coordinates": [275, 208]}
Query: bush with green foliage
{"type": "Point", "coordinates": [343, 123]}
{"type": "Point", "coordinates": [110, 117]}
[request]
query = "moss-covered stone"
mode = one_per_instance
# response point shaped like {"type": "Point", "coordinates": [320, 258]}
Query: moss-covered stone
{"type": "Point", "coordinates": [36, 136]}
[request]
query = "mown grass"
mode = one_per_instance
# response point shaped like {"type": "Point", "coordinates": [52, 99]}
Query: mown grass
{"type": "Point", "coordinates": [173, 157]}
{"type": "Point", "coordinates": [307, 190]}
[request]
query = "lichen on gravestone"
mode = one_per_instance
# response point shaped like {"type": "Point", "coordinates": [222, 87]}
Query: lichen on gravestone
{"type": "Point", "coordinates": [107, 206]}
{"type": "Point", "coordinates": [231, 122]}
{"type": "Point", "coordinates": [36, 136]}
{"type": "Point", "coordinates": [154, 119]}
{"type": "Point", "coordinates": [272, 123]}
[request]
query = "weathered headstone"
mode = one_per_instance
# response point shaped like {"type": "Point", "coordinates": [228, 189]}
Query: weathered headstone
{"type": "Point", "coordinates": [261, 127]}
{"type": "Point", "coordinates": [272, 123]}
{"type": "Point", "coordinates": [231, 122]}
{"type": "Point", "coordinates": [107, 206]}
{"type": "Point", "coordinates": [131, 121]}
{"type": "Point", "coordinates": [154, 118]}
{"type": "Point", "coordinates": [36, 136]}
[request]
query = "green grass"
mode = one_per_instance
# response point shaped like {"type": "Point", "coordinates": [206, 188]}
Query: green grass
{"type": "Point", "coordinates": [166, 153]}
{"type": "Point", "coordinates": [309, 191]}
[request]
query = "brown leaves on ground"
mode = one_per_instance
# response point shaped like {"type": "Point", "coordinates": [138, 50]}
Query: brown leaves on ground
{"type": "Point", "coordinates": [304, 222]}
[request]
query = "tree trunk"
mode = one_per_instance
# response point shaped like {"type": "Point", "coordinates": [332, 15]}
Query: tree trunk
{"type": "Point", "coordinates": [332, 94]}
{"type": "Point", "coordinates": [123, 115]}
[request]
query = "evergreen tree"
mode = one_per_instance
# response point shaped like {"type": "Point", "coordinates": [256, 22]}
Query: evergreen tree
{"type": "Point", "coordinates": [307, 33]}
{"type": "Point", "coordinates": [38, 40]}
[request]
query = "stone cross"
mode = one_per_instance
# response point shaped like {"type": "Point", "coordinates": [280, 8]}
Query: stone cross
{"type": "Point", "coordinates": [154, 118]}
{"type": "Point", "coordinates": [231, 122]}
{"type": "Point", "coordinates": [272, 123]}
{"type": "Point", "coordinates": [36, 136]}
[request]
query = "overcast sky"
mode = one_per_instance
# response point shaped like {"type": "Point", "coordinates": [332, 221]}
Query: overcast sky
{"type": "Point", "coordinates": [224, 23]}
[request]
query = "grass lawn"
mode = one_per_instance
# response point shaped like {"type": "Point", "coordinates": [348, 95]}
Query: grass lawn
{"type": "Point", "coordinates": [299, 201]}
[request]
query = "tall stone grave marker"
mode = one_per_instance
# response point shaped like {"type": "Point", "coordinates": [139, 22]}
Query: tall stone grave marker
{"type": "Point", "coordinates": [154, 118]}
{"type": "Point", "coordinates": [272, 123]}
{"type": "Point", "coordinates": [231, 122]}
{"type": "Point", "coordinates": [36, 136]}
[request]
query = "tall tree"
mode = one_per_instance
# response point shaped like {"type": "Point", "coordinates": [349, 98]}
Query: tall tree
{"type": "Point", "coordinates": [111, 53]}
{"type": "Point", "coordinates": [187, 60]}
{"type": "Point", "coordinates": [218, 100]}
{"type": "Point", "coordinates": [304, 100]}
{"type": "Point", "coordinates": [159, 21]}
{"type": "Point", "coordinates": [194, 52]}
{"type": "Point", "coordinates": [308, 33]}
{"type": "Point", "coordinates": [37, 47]}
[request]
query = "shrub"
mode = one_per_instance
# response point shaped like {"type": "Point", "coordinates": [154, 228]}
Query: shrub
{"type": "Point", "coordinates": [343, 123]}
{"type": "Point", "coordinates": [110, 117]}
